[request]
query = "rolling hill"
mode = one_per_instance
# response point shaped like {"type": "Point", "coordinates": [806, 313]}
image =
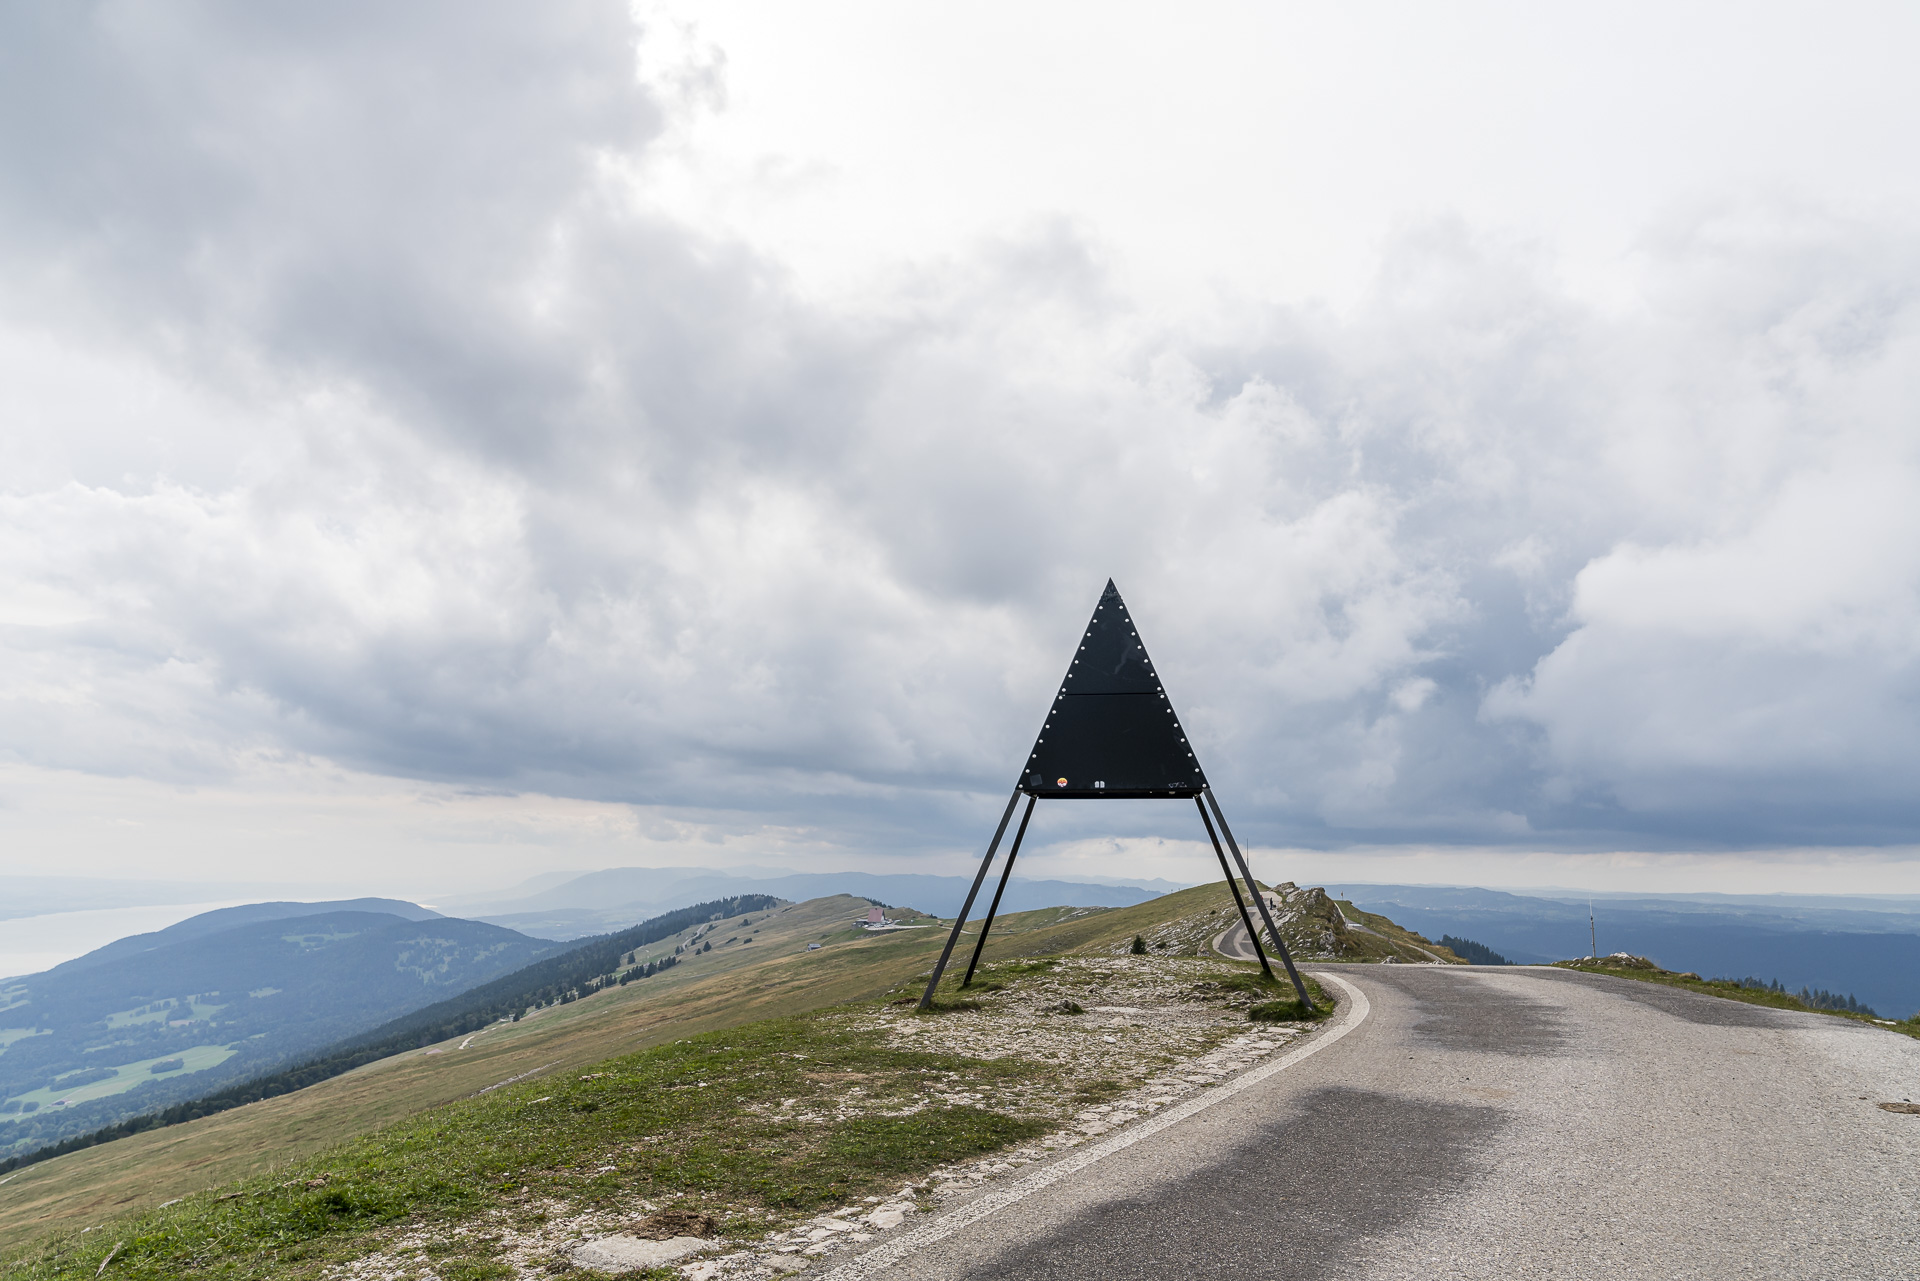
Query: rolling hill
{"type": "Point", "coordinates": [226, 918]}
{"type": "Point", "coordinates": [621, 896]}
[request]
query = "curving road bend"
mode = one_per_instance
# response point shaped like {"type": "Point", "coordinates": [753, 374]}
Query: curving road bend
{"type": "Point", "coordinates": [1232, 942]}
{"type": "Point", "coordinates": [1503, 1123]}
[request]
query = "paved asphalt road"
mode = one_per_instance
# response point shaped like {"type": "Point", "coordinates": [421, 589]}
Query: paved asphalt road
{"type": "Point", "coordinates": [1503, 1123]}
{"type": "Point", "coordinates": [1233, 942]}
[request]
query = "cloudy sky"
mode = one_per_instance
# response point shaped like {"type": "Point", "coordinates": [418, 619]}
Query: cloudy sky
{"type": "Point", "coordinates": [443, 443]}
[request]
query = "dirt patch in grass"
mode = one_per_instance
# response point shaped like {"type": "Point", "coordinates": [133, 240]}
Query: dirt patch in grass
{"type": "Point", "coordinates": [675, 1223]}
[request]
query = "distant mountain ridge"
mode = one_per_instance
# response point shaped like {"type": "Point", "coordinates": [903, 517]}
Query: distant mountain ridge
{"type": "Point", "coordinates": [220, 997]}
{"type": "Point", "coordinates": [616, 897]}
{"type": "Point", "coordinates": [227, 918]}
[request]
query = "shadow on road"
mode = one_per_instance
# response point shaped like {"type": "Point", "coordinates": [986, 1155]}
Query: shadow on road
{"type": "Point", "coordinates": [1474, 1016]}
{"type": "Point", "coordinates": [1289, 1202]}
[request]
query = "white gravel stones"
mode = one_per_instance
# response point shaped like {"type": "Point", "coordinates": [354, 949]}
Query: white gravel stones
{"type": "Point", "coordinates": [1169, 1041]}
{"type": "Point", "coordinates": [1153, 1017]}
{"type": "Point", "coordinates": [624, 1253]}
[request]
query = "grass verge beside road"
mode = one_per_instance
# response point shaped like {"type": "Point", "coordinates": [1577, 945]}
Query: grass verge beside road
{"type": "Point", "coordinates": [1642, 970]}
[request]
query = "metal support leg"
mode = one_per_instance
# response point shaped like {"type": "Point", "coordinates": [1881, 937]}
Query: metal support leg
{"type": "Point", "coordinates": [1280, 944]}
{"type": "Point", "coordinates": [1020, 834]}
{"type": "Point", "coordinates": [1253, 935]}
{"type": "Point", "coordinates": [985, 863]}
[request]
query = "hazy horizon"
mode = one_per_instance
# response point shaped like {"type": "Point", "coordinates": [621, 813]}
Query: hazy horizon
{"type": "Point", "coordinates": [31, 942]}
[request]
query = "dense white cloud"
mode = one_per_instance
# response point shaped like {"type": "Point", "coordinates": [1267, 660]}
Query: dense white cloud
{"type": "Point", "coordinates": [365, 407]}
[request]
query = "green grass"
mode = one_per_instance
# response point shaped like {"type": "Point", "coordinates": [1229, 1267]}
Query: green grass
{"type": "Point", "coordinates": [1288, 1011]}
{"type": "Point", "coordinates": [1645, 971]}
{"type": "Point", "coordinates": [483, 1270]}
{"type": "Point", "coordinates": [734, 1122]}
{"type": "Point", "coordinates": [1282, 1003]}
{"type": "Point", "coordinates": [1019, 969]}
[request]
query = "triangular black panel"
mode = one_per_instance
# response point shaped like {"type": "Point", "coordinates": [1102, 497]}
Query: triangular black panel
{"type": "Point", "coordinates": [1111, 731]}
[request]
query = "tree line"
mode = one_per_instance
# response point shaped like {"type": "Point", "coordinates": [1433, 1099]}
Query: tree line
{"type": "Point", "coordinates": [1471, 952]}
{"type": "Point", "coordinates": [1816, 998]}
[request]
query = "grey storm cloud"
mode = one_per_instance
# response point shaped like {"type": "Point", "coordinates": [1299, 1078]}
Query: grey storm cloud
{"type": "Point", "coordinates": [383, 423]}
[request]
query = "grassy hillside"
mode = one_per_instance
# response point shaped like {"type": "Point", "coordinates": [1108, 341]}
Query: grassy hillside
{"type": "Point", "coordinates": [750, 974]}
{"type": "Point", "coordinates": [1368, 936]}
{"type": "Point", "coordinates": [749, 1130]}
{"type": "Point", "coordinates": [754, 977]}
{"type": "Point", "coordinates": [580, 969]}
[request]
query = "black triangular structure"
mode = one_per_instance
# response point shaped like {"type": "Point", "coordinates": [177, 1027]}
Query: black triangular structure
{"type": "Point", "coordinates": [1112, 733]}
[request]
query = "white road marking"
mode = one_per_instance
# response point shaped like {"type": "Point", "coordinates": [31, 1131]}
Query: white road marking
{"type": "Point", "coordinates": [943, 1226]}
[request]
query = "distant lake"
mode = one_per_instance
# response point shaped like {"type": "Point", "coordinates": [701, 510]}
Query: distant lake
{"type": "Point", "coordinates": [30, 944]}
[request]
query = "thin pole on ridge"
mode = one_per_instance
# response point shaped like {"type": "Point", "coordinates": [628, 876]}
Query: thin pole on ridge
{"type": "Point", "coordinates": [926, 1000]}
{"type": "Point", "coordinates": [1253, 935]}
{"type": "Point", "coordinates": [1259, 901]}
{"type": "Point", "coordinates": [1013, 852]}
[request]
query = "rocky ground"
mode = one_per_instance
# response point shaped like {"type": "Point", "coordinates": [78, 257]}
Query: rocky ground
{"type": "Point", "coordinates": [1312, 924]}
{"type": "Point", "coordinates": [1122, 1037]}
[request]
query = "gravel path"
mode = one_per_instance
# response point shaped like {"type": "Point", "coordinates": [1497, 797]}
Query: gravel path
{"type": "Point", "coordinates": [1505, 1123]}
